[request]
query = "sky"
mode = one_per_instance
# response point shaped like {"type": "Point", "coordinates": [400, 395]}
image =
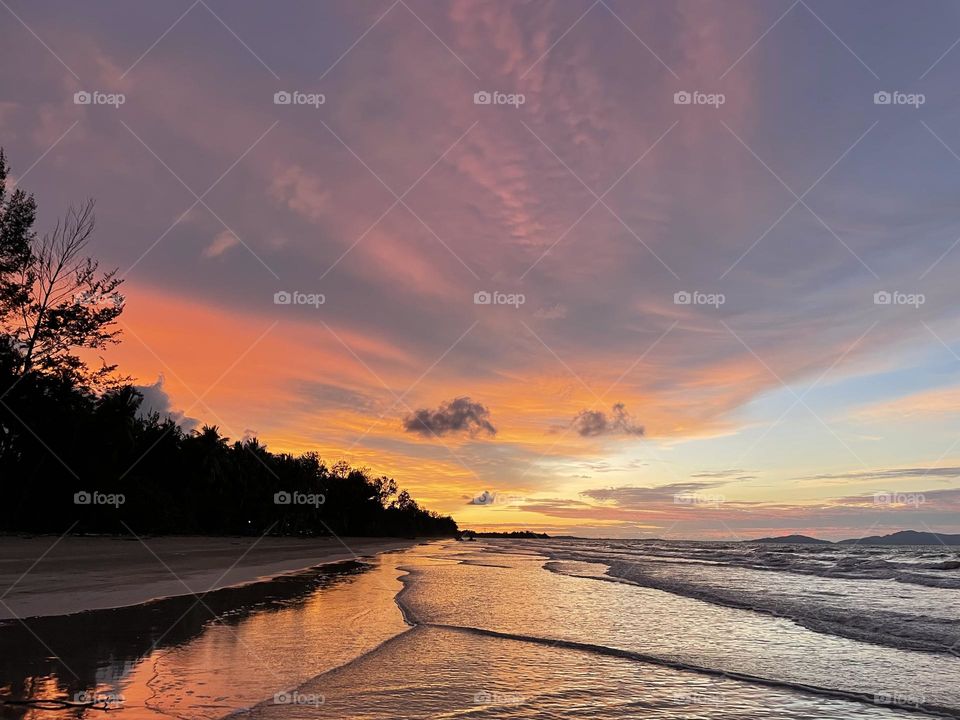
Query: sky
{"type": "Point", "coordinates": [613, 268]}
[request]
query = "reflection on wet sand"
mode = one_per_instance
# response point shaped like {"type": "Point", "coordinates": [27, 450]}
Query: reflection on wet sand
{"type": "Point", "coordinates": [443, 673]}
{"type": "Point", "coordinates": [200, 657]}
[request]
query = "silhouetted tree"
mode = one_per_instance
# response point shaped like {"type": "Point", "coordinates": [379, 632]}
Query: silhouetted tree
{"type": "Point", "coordinates": [53, 299]}
{"type": "Point", "coordinates": [18, 211]}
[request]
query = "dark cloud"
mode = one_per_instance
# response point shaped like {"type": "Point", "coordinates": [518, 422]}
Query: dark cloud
{"type": "Point", "coordinates": [591, 423]}
{"type": "Point", "coordinates": [156, 400]}
{"type": "Point", "coordinates": [461, 415]}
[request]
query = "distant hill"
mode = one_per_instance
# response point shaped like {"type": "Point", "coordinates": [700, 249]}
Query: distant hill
{"type": "Point", "coordinates": [906, 537]}
{"type": "Point", "coordinates": [791, 540]}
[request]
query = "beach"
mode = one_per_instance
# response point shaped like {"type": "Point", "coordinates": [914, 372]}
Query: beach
{"type": "Point", "coordinates": [520, 629]}
{"type": "Point", "coordinates": [47, 575]}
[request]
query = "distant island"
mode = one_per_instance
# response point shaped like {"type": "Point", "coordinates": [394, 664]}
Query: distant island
{"type": "Point", "coordinates": [791, 540]}
{"type": "Point", "coordinates": [906, 537]}
{"type": "Point", "coordinates": [903, 537]}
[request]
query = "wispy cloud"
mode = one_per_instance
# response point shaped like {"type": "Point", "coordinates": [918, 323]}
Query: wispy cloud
{"type": "Point", "coordinates": [220, 244]}
{"type": "Point", "coordinates": [882, 474]}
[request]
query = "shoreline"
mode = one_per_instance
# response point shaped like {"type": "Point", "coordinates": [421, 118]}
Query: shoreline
{"type": "Point", "coordinates": [42, 575]}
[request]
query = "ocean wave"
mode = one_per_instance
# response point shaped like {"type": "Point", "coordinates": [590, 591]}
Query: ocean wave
{"type": "Point", "coordinates": [875, 699]}
{"type": "Point", "coordinates": [905, 565]}
{"type": "Point", "coordinates": [891, 628]}
{"type": "Point", "coordinates": [879, 698]}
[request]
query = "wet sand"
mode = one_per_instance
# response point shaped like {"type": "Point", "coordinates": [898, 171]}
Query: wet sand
{"type": "Point", "coordinates": [41, 576]}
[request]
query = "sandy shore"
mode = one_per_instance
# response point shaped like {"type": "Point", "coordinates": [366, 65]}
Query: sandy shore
{"type": "Point", "coordinates": [41, 576]}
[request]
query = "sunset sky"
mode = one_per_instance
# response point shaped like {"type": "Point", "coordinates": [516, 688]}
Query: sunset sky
{"type": "Point", "coordinates": [592, 400]}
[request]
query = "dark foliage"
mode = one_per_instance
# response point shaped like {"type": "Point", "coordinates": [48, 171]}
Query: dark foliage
{"type": "Point", "coordinates": [515, 534]}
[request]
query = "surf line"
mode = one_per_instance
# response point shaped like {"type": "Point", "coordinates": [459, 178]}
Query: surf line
{"type": "Point", "coordinates": [866, 698]}
{"type": "Point", "coordinates": [832, 628]}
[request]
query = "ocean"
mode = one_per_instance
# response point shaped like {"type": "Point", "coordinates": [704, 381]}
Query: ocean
{"type": "Point", "coordinates": [531, 629]}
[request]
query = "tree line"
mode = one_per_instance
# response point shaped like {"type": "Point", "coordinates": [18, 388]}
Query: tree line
{"type": "Point", "coordinates": [77, 451]}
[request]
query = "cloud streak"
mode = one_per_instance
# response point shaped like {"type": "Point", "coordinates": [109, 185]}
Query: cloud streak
{"type": "Point", "coordinates": [630, 496]}
{"type": "Point", "coordinates": [883, 474]}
